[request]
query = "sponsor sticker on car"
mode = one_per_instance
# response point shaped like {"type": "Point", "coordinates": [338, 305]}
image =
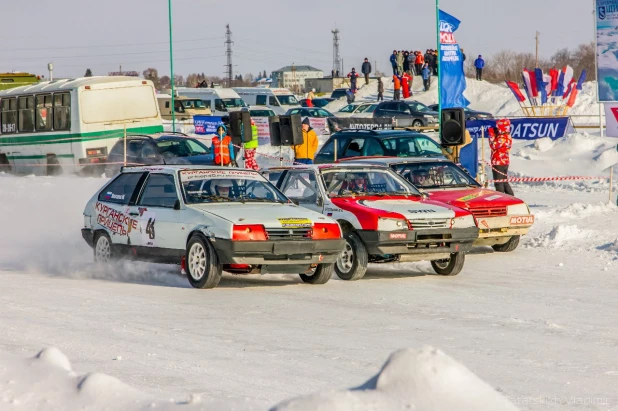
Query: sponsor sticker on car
{"type": "Point", "coordinates": [398, 236]}
{"type": "Point", "coordinates": [469, 197]}
{"type": "Point", "coordinates": [294, 222]}
{"type": "Point", "coordinates": [522, 220]}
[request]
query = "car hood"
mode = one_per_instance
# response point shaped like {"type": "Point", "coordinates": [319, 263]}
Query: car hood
{"type": "Point", "coordinates": [395, 208]}
{"type": "Point", "coordinates": [270, 215]}
{"type": "Point", "coordinates": [472, 198]}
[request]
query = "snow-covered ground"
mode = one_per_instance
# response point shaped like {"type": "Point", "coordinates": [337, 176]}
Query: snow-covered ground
{"type": "Point", "coordinates": [540, 325]}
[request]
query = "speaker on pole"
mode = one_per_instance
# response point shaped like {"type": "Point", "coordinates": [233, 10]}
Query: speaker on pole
{"type": "Point", "coordinates": [275, 132]}
{"type": "Point", "coordinates": [240, 126]}
{"type": "Point", "coordinates": [291, 130]}
{"type": "Point", "coordinates": [452, 126]}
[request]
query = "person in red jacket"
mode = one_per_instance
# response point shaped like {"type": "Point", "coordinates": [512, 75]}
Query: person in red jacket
{"type": "Point", "coordinates": [406, 85]}
{"type": "Point", "coordinates": [500, 142]}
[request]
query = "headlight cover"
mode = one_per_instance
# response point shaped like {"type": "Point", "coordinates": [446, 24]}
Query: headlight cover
{"type": "Point", "coordinates": [518, 209]}
{"type": "Point", "coordinates": [392, 224]}
{"type": "Point", "coordinates": [464, 222]}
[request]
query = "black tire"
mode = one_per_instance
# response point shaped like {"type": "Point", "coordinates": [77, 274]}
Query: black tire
{"type": "Point", "coordinates": [450, 266]}
{"type": "Point", "coordinates": [507, 247]}
{"type": "Point", "coordinates": [5, 166]}
{"type": "Point", "coordinates": [53, 166]}
{"type": "Point", "coordinates": [202, 263]}
{"type": "Point", "coordinates": [103, 249]}
{"type": "Point", "coordinates": [321, 275]}
{"type": "Point", "coordinates": [417, 124]}
{"type": "Point", "coordinates": [352, 263]}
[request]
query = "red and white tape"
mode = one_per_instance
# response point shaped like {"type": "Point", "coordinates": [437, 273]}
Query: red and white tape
{"type": "Point", "coordinates": [540, 179]}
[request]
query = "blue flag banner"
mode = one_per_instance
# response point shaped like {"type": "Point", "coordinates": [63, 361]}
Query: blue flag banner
{"type": "Point", "coordinates": [469, 157]}
{"type": "Point", "coordinates": [526, 128]}
{"type": "Point", "coordinates": [452, 81]}
{"type": "Point", "coordinates": [206, 125]}
{"type": "Point", "coordinates": [607, 49]}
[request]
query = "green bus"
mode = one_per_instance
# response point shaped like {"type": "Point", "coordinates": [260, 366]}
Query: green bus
{"type": "Point", "coordinates": [16, 79]}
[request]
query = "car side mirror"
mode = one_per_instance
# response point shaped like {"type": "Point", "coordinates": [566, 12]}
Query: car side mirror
{"type": "Point", "coordinates": [319, 202]}
{"type": "Point", "coordinates": [177, 204]}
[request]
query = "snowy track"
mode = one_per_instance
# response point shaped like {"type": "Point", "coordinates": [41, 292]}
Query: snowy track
{"type": "Point", "coordinates": [539, 324]}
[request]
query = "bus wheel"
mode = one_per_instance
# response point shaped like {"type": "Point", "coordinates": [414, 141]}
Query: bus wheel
{"type": "Point", "coordinates": [53, 165]}
{"type": "Point", "coordinates": [5, 166]}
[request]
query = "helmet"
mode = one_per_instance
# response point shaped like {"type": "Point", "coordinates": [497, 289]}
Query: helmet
{"type": "Point", "coordinates": [223, 187]}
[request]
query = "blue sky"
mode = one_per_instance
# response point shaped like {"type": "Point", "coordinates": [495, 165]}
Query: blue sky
{"type": "Point", "coordinates": [268, 34]}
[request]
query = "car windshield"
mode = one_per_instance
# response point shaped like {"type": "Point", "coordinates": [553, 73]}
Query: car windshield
{"type": "Point", "coordinates": [287, 100]}
{"type": "Point", "coordinates": [348, 109]}
{"type": "Point", "coordinates": [365, 181]}
{"type": "Point", "coordinates": [233, 102]}
{"type": "Point", "coordinates": [261, 113]}
{"type": "Point", "coordinates": [318, 112]}
{"type": "Point", "coordinates": [194, 104]}
{"type": "Point", "coordinates": [367, 108]}
{"type": "Point", "coordinates": [227, 186]}
{"type": "Point", "coordinates": [412, 146]}
{"type": "Point", "coordinates": [435, 175]}
{"type": "Point", "coordinates": [182, 147]}
{"type": "Point", "coordinates": [416, 106]}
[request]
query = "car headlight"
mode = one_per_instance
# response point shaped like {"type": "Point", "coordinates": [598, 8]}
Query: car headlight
{"type": "Point", "coordinates": [518, 209]}
{"type": "Point", "coordinates": [463, 222]}
{"type": "Point", "coordinates": [392, 224]}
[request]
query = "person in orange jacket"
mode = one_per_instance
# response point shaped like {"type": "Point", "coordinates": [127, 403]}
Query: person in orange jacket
{"type": "Point", "coordinates": [397, 87]}
{"type": "Point", "coordinates": [305, 153]}
{"type": "Point", "coordinates": [222, 147]}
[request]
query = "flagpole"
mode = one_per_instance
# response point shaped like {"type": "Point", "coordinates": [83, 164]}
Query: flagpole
{"type": "Point", "coordinates": [439, 68]}
{"type": "Point", "coordinates": [169, 12]}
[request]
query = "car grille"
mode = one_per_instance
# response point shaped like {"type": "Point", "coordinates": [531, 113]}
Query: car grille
{"type": "Point", "coordinates": [420, 223]}
{"type": "Point", "coordinates": [276, 234]}
{"type": "Point", "coordinates": [488, 212]}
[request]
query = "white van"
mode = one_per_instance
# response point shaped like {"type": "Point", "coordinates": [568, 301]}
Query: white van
{"type": "Point", "coordinates": [220, 101]}
{"type": "Point", "coordinates": [184, 107]}
{"type": "Point", "coordinates": [279, 100]}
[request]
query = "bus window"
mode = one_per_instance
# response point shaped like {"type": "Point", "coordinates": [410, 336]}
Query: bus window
{"type": "Point", "coordinates": [272, 100]}
{"type": "Point", "coordinates": [62, 111]}
{"type": "Point", "coordinates": [219, 106]}
{"type": "Point", "coordinates": [43, 112]}
{"type": "Point", "coordinates": [260, 100]}
{"type": "Point", "coordinates": [206, 103]}
{"type": "Point", "coordinates": [26, 114]}
{"type": "Point", "coordinates": [8, 115]}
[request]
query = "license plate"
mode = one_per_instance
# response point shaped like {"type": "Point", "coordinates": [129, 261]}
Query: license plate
{"type": "Point", "coordinates": [292, 248]}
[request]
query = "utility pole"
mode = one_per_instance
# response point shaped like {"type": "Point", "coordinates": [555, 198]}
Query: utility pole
{"type": "Point", "coordinates": [294, 86]}
{"type": "Point", "coordinates": [537, 50]}
{"type": "Point", "coordinates": [228, 52]}
{"type": "Point", "coordinates": [336, 56]}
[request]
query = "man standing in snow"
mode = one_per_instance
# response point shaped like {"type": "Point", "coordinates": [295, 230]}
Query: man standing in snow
{"type": "Point", "coordinates": [397, 87]}
{"type": "Point", "coordinates": [500, 142]}
{"type": "Point", "coordinates": [400, 63]}
{"type": "Point", "coordinates": [353, 75]}
{"type": "Point", "coordinates": [479, 64]}
{"type": "Point", "coordinates": [426, 74]}
{"type": "Point", "coordinates": [393, 60]}
{"type": "Point", "coordinates": [349, 96]}
{"type": "Point", "coordinates": [380, 89]}
{"type": "Point", "coordinates": [304, 153]}
{"type": "Point", "coordinates": [366, 70]}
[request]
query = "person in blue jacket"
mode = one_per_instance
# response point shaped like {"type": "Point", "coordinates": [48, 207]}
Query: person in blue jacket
{"type": "Point", "coordinates": [479, 64]}
{"type": "Point", "coordinates": [426, 74]}
{"type": "Point", "coordinates": [394, 62]}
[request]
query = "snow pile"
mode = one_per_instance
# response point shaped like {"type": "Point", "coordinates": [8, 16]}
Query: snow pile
{"type": "Point", "coordinates": [559, 236]}
{"type": "Point", "coordinates": [423, 380]}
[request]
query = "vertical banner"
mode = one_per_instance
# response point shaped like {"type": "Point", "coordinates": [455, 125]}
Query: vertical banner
{"type": "Point", "coordinates": [611, 119]}
{"type": "Point", "coordinates": [607, 49]}
{"type": "Point", "coordinates": [263, 130]}
{"type": "Point", "coordinates": [452, 81]}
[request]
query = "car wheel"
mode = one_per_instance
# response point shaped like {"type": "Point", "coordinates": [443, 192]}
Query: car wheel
{"type": "Point", "coordinates": [203, 267]}
{"type": "Point", "coordinates": [103, 248]}
{"type": "Point", "coordinates": [319, 275]}
{"type": "Point", "coordinates": [352, 262]}
{"type": "Point", "coordinates": [507, 247]}
{"type": "Point", "coordinates": [449, 266]}
{"type": "Point", "coordinates": [417, 124]}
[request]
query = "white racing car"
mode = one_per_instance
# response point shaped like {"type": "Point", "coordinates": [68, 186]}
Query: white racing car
{"type": "Point", "coordinates": [209, 219]}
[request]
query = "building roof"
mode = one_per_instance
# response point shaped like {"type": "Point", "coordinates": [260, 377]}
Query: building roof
{"type": "Point", "coordinates": [69, 84]}
{"type": "Point", "coordinates": [298, 68]}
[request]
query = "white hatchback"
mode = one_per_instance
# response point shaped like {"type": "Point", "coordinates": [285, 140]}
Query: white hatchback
{"type": "Point", "coordinates": [209, 220]}
{"type": "Point", "coordinates": [362, 110]}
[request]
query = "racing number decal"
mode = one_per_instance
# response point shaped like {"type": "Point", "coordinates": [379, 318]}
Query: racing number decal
{"type": "Point", "coordinates": [150, 229]}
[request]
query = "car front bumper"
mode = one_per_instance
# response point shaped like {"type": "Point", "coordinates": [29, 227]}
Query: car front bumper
{"type": "Point", "coordinates": [278, 252]}
{"type": "Point", "coordinates": [88, 236]}
{"type": "Point", "coordinates": [498, 230]}
{"type": "Point", "coordinates": [419, 242]}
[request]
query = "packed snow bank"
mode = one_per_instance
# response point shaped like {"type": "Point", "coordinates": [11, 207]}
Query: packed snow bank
{"type": "Point", "coordinates": [419, 380]}
{"type": "Point", "coordinates": [422, 380]}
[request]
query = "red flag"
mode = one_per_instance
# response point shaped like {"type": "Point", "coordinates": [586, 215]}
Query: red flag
{"type": "Point", "coordinates": [554, 79]}
{"type": "Point", "coordinates": [533, 88]}
{"type": "Point", "coordinates": [515, 89]}
{"type": "Point", "coordinates": [572, 84]}
{"type": "Point", "coordinates": [573, 97]}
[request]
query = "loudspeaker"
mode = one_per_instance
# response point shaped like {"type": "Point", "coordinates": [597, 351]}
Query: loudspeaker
{"type": "Point", "coordinates": [240, 126]}
{"type": "Point", "coordinates": [275, 132]}
{"type": "Point", "coordinates": [452, 126]}
{"type": "Point", "coordinates": [291, 130]}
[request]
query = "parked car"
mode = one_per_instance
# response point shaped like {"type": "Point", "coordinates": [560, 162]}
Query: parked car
{"type": "Point", "coordinates": [502, 218]}
{"type": "Point", "coordinates": [384, 218]}
{"type": "Point", "coordinates": [209, 220]}
{"type": "Point", "coordinates": [470, 114]}
{"type": "Point", "coordinates": [338, 93]}
{"type": "Point", "coordinates": [362, 143]}
{"type": "Point", "coordinates": [317, 102]}
{"type": "Point", "coordinates": [408, 114]}
{"type": "Point", "coordinates": [163, 149]}
{"type": "Point", "coordinates": [310, 112]}
{"type": "Point", "coordinates": [357, 110]}
{"type": "Point", "coordinates": [261, 112]}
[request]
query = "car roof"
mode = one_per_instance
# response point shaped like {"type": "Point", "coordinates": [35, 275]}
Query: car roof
{"type": "Point", "coordinates": [172, 169]}
{"type": "Point", "coordinates": [320, 167]}
{"type": "Point", "coordinates": [380, 134]}
{"type": "Point", "coordinates": [388, 161]}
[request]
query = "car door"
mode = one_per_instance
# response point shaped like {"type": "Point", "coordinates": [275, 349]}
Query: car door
{"type": "Point", "coordinates": [158, 221]}
{"type": "Point", "coordinates": [302, 187]}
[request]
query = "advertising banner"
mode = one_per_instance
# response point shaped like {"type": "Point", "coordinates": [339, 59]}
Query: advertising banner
{"type": "Point", "coordinates": [320, 125]}
{"type": "Point", "coordinates": [263, 130]}
{"type": "Point", "coordinates": [530, 128]}
{"type": "Point", "coordinates": [206, 125]}
{"type": "Point", "coordinates": [452, 81]}
{"type": "Point", "coordinates": [607, 49]}
{"type": "Point", "coordinates": [339, 123]}
{"type": "Point", "coordinates": [611, 119]}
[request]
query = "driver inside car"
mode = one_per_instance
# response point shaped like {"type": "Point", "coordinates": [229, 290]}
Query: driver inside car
{"type": "Point", "coordinates": [421, 178]}
{"type": "Point", "coordinates": [355, 183]}
{"type": "Point", "coordinates": [223, 188]}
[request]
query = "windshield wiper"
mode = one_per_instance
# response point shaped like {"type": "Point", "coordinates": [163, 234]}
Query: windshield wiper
{"type": "Point", "coordinates": [260, 200]}
{"type": "Point", "coordinates": [212, 197]}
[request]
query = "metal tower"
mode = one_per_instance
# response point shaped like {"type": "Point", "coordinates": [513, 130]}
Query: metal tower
{"type": "Point", "coordinates": [228, 67]}
{"type": "Point", "coordinates": [336, 56]}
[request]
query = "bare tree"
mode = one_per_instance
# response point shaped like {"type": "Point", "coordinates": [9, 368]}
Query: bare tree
{"type": "Point", "coordinates": [152, 74]}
